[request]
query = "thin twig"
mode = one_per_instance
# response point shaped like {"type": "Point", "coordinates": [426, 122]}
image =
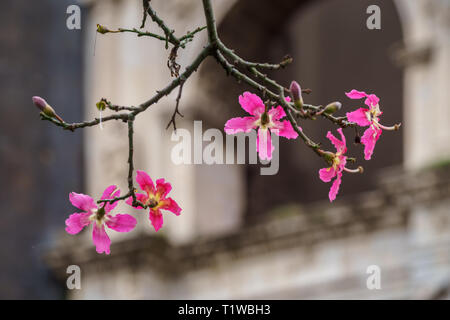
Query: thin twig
{"type": "Point", "coordinates": [176, 111]}
{"type": "Point", "coordinates": [145, 5]}
{"type": "Point", "coordinates": [167, 31]}
{"type": "Point", "coordinates": [74, 126]}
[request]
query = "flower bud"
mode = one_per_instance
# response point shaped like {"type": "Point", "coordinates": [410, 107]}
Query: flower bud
{"type": "Point", "coordinates": [101, 105]}
{"type": "Point", "coordinates": [296, 93]}
{"type": "Point", "coordinates": [101, 29]}
{"type": "Point", "coordinates": [332, 107]}
{"type": "Point", "coordinates": [45, 108]}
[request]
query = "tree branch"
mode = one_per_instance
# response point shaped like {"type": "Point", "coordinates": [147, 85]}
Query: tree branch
{"type": "Point", "coordinates": [176, 111]}
{"type": "Point", "coordinates": [269, 89]}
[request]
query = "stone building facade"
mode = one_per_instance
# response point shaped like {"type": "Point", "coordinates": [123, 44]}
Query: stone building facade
{"type": "Point", "coordinates": [225, 244]}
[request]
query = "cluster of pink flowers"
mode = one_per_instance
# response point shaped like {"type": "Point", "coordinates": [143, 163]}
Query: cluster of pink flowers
{"type": "Point", "coordinates": [154, 198]}
{"type": "Point", "coordinates": [270, 121]}
{"type": "Point", "coordinates": [266, 121]}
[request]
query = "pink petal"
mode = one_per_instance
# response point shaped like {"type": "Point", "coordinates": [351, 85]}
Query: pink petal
{"type": "Point", "coordinates": [76, 222]}
{"type": "Point", "coordinates": [342, 162]}
{"type": "Point", "coordinates": [39, 102]}
{"type": "Point", "coordinates": [326, 174]}
{"type": "Point", "coordinates": [156, 218]}
{"type": "Point", "coordinates": [369, 139]}
{"type": "Point", "coordinates": [372, 100]}
{"type": "Point", "coordinates": [235, 125]}
{"type": "Point", "coordinates": [170, 205]}
{"type": "Point", "coordinates": [140, 197]}
{"type": "Point", "coordinates": [145, 182]}
{"type": "Point", "coordinates": [338, 144]}
{"type": "Point", "coordinates": [251, 103]}
{"type": "Point", "coordinates": [344, 141]}
{"type": "Point", "coordinates": [101, 239]}
{"type": "Point", "coordinates": [82, 201]}
{"type": "Point", "coordinates": [162, 188]}
{"type": "Point", "coordinates": [284, 129]}
{"type": "Point", "coordinates": [359, 117]}
{"type": "Point", "coordinates": [335, 187]}
{"type": "Point", "coordinates": [264, 144]}
{"type": "Point", "coordinates": [121, 222]}
{"type": "Point", "coordinates": [277, 113]}
{"type": "Point", "coordinates": [355, 94]}
{"type": "Point", "coordinates": [110, 194]}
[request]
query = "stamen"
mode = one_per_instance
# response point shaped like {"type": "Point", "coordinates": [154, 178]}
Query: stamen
{"type": "Point", "coordinates": [395, 127]}
{"type": "Point", "coordinates": [358, 170]}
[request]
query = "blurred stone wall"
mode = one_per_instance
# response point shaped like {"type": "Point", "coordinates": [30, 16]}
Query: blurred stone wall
{"type": "Point", "coordinates": [39, 163]}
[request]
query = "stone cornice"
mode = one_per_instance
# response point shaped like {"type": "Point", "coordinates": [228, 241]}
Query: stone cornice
{"type": "Point", "coordinates": [372, 211]}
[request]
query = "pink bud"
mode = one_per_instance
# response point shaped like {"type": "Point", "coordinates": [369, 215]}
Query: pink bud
{"type": "Point", "coordinates": [296, 93]}
{"type": "Point", "coordinates": [39, 102]}
{"type": "Point", "coordinates": [45, 108]}
{"type": "Point", "coordinates": [332, 107]}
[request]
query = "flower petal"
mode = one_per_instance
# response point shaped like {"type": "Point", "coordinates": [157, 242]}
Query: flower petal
{"type": "Point", "coordinates": [285, 129]}
{"type": "Point", "coordinates": [156, 218]}
{"type": "Point", "coordinates": [335, 187]}
{"type": "Point", "coordinates": [372, 100]}
{"type": "Point", "coordinates": [140, 197]}
{"type": "Point", "coordinates": [235, 125]}
{"type": "Point", "coordinates": [101, 239]}
{"type": "Point", "coordinates": [82, 201]}
{"type": "Point", "coordinates": [369, 139]}
{"type": "Point", "coordinates": [342, 162]}
{"type": "Point", "coordinates": [170, 205]}
{"type": "Point", "coordinates": [344, 141]}
{"type": "Point", "coordinates": [277, 113]}
{"type": "Point", "coordinates": [264, 145]}
{"type": "Point", "coordinates": [162, 188]}
{"type": "Point", "coordinates": [121, 222]}
{"type": "Point", "coordinates": [110, 193]}
{"type": "Point", "coordinates": [145, 182]}
{"type": "Point", "coordinates": [338, 144]}
{"type": "Point", "coordinates": [76, 222]}
{"type": "Point", "coordinates": [251, 103]}
{"type": "Point", "coordinates": [359, 117]}
{"type": "Point", "coordinates": [355, 94]}
{"type": "Point", "coordinates": [326, 174]}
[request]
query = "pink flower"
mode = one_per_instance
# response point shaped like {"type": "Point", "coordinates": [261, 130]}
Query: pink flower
{"type": "Point", "coordinates": [368, 117]}
{"type": "Point", "coordinates": [155, 198]}
{"type": "Point", "coordinates": [265, 121]}
{"type": "Point", "coordinates": [99, 217]}
{"type": "Point", "coordinates": [338, 160]}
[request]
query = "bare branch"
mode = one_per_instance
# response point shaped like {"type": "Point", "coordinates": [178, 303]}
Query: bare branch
{"type": "Point", "coordinates": [176, 111]}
